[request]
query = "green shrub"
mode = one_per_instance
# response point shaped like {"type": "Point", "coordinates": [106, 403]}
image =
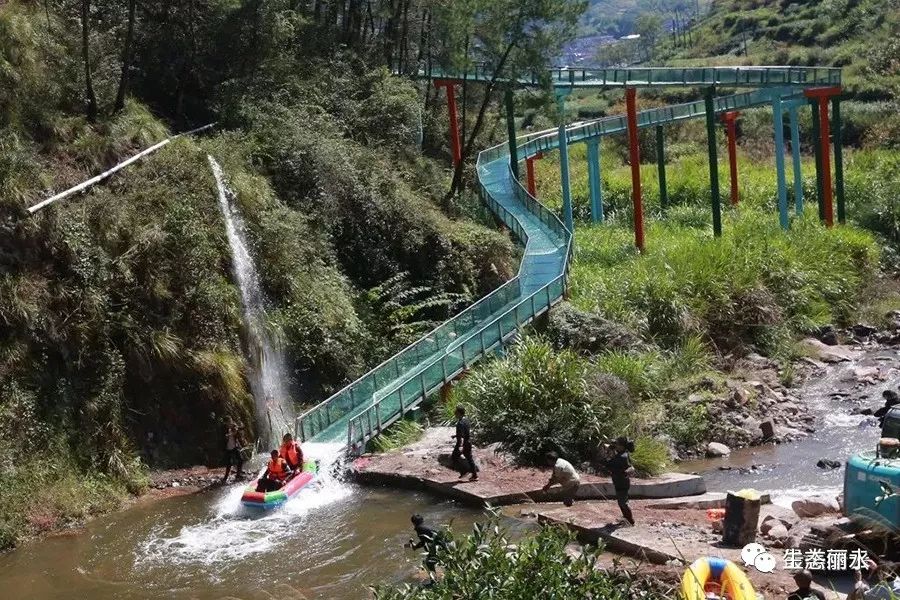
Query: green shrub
{"type": "Point", "coordinates": [536, 399]}
{"type": "Point", "coordinates": [399, 434]}
{"type": "Point", "coordinates": [488, 563]}
{"type": "Point", "coordinates": [650, 456]}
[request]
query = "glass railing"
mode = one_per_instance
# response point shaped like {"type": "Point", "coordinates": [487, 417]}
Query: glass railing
{"type": "Point", "coordinates": [771, 76]}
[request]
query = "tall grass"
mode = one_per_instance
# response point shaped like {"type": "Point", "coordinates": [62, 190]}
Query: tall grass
{"type": "Point", "coordinates": [733, 291]}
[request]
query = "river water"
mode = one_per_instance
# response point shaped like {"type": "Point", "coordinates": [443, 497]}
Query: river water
{"type": "Point", "coordinates": [327, 543]}
{"type": "Point", "coordinates": [334, 541]}
{"type": "Point", "coordinates": [789, 471]}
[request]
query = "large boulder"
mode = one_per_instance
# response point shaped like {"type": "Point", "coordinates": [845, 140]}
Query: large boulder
{"type": "Point", "coordinates": [588, 332]}
{"type": "Point", "coordinates": [815, 506]}
{"type": "Point", "coordinates": [826, 353]}
{"type": "Point", "coordinates": [716, 450]}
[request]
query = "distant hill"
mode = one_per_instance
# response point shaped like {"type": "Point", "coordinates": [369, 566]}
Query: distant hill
{"type": "Point", "coordinates": [859, 35]}
{"type": "Point", "coordinates": [617, 17]}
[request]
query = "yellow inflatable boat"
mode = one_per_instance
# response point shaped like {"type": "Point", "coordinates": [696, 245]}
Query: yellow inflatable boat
{"type": "Point", "coordinates": [715, 578]}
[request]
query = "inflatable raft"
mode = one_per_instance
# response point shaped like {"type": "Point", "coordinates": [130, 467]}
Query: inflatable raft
{"type": "Point", "coordinates": [268, 500]}
{"type": "Point", "coordinates": [717, 576]}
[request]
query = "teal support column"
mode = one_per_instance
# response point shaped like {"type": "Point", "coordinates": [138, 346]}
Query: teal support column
{"type": "Point", "coordinates": [838, 158]}
{"type": "Point", "coordinates": [710, 101]}
{"type": "Point", "coordinates": [778, 117]}
{"type": "Point", "coordinates": [795, 155]}
{"type": "Point", "coordinates": [511, 132]}
{"type": "Point", "coordinates": [593, 157]}
{"type": "Point", "coordinates": [564, 161]}
{"type": "Point", "coordinates": [817, 151]}
{"type": "Point", "coordinates": [661, 167]}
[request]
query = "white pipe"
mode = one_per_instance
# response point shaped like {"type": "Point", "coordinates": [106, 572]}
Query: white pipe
{"type": "Point", "coordinates": [98, 178]}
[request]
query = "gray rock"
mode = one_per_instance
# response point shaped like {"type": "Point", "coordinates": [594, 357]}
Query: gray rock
{"type": "Point", "coordinates": [823, 352]}
{"type": "Point", "coordinates": [767, 428]}
{"type": "Point", "coordinates": [826, 463]}
{"type": "Point", "coordinates": [715, 450]}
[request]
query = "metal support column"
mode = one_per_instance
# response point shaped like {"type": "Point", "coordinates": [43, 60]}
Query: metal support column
{"type": "Point", "coordinates": [564, 161]}
{"type": "Point", "coordinates": [593, 157]}
{"type": "Point", "coordinates": [838, 141]}
{"type": "Point", "coordinates": [634, 153]}
{"type": "Point", "coordinates": [730, 119]}
{"type": "Point", "coordinates": [709, 98]}
{"type": "Point", "coordinates": [778, 118]}
{"type": "Point", "coordinates": [511, 132]}
{"type": "Point", "coordinates": [817, 152]}
{"type": "Point", "coordinates": [455, 143]}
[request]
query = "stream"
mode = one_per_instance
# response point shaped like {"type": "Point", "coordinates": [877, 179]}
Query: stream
{"type": "Point", "coordinates": [789, 471]}
{"type": "Point", "coordinates": [333, 541]}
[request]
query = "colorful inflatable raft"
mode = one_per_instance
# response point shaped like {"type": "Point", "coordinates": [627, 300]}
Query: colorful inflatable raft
{"type": "Point", "coordinates": [268, 500]}
{"type": "Point", "coordinates": [718, 577]}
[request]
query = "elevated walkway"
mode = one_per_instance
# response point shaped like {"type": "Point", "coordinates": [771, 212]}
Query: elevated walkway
{"type": "Point", "coordinates": [363, 409]}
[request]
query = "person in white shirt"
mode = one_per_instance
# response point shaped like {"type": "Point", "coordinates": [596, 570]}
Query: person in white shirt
{"type": "Point", "coordinates": [565, 475]}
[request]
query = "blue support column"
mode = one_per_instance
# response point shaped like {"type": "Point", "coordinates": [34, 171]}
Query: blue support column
{"type": "Point", "coordinates": [564, 160]}
{"type": "Point", "coordinates": [778, 114]}
{"type": "Point", "coordinates": [795, 154]}
{"type": "Point", "coordinates": [594, 181]}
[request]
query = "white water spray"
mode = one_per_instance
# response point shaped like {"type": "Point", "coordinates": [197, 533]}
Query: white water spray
{"type": "Point", "coordinates": [234, 532]}
{"type": "Point", "coordinates": [274, 411]}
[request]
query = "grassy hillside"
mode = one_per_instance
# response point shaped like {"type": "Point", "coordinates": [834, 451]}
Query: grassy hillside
{"type": "Point", "coordinates": [858, 35]}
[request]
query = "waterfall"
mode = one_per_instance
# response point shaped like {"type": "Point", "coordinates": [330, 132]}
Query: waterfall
{"type": "Point", "coordinates": [274, 412]}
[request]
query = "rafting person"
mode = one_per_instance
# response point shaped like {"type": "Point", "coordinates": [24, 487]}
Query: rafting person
{"type": "Point", "coordinates": [620, 469]}
{"type": "Point", "coordinates": [428, 539]}
{"type": "Point", "coordinates": [277, 472]}
{"type": "Point", "coordinates": [463, 433]}
{"type": "Point", "coordinates": [291, 452]}
{"type": "Point", "coordinates": [234, 443]}
{"type": "Point", "coordinates": [565, 475]}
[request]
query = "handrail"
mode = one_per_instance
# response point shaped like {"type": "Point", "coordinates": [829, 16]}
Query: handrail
{"type": "Point", "coordinates": [588, 77]}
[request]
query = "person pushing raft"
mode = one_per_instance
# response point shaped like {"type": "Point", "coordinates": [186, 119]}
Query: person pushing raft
{"type": "Point", "coordinates": [277, 472]}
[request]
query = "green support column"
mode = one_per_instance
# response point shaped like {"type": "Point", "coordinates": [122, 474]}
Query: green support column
{"type": "Point", "coordinates": [511, 132]}
{"type": "Point", "coordinates": [564, 161]}
{"type": "Point", "coordinates": [709, 97]}
{"type": "Point", "coordinates": [817, 150]}
{"type": "Point", "coordinates": [795, 155]}
{"type": "Point", "coordinates": [838, 158]}
{"type": "Point", "coordinates": [661, 167]}
{"type": "Point", "coordinates": [778, 117]}
{"type": "Point", "coordinates": [594, 181]}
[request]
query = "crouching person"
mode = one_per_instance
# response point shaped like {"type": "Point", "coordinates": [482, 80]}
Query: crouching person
{"type": "Point", "coordinates": [277, 472]}
{"type": "Point", "coordinates": [565, 475]}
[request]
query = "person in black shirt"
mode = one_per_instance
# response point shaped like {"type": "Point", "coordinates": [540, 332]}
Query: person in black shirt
{"type": "Point", "coordinates": [428, 539]}
{"type": "Point", "coordinates": [620, 469]}
{"type": "Point", "coordinates": [463, 442]}
{"type": "Point", "coordinates": [804, 590]}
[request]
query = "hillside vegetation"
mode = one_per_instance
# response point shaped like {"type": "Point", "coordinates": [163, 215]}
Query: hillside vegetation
{"type": "Point", "coordinates": [860, 36]}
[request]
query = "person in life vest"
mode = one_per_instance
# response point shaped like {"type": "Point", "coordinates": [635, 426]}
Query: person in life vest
{"type": "Point", "coordinates": [277, 472]}
{"type": "Point", "coordinates": [291, 452]}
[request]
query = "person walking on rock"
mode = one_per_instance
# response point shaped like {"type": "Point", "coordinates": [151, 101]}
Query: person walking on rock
{"type": "Point", "coordinates": [565, 475]}
{"type": "Point", "coordinates": [464, 444]}
{"type": "Point", "coordinates": [620, 469]}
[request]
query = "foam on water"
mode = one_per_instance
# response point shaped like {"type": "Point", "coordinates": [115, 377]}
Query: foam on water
{"type": "Point", "coordinates": [233, 532]}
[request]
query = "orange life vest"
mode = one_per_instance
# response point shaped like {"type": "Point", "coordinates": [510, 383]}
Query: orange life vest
{"type": "Point", "coordinates": [291, 452]}
{"type": "Point", "coordinates": [277, 468]}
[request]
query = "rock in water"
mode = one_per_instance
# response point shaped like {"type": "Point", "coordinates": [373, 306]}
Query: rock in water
{"type": "Point", "coordinates": [826, 463]}
{"type": "Point", "coordinates": [815, 506]}
{"type": "Point", "coordinates": [826, 353]}
{"type": "Point", "coordinates": [715, 450]}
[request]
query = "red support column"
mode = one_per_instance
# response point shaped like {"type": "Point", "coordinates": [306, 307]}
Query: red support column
{"type": "Point", "coordinates": [529, 168]}
{"type": "Point", "coordinates": [730, 119]}
{"type": "Point", "coordinates": [634, 154]}
{"type": "Point", "coordinates": [455, 145]}
{"type": "Point", "coordinates": [822, 96]}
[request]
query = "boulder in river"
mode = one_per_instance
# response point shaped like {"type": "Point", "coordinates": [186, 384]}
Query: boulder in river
{"type": "Point", "coordinates": [815, 506]}
{"type": "Point", "coordinates": [827, 463]}
{"type": "Point", "coordinates": [826, 353]}
{"type": "Point", "coordinates": [716, 450]}
{"type": "Point", "coordinates": [767, 428]}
